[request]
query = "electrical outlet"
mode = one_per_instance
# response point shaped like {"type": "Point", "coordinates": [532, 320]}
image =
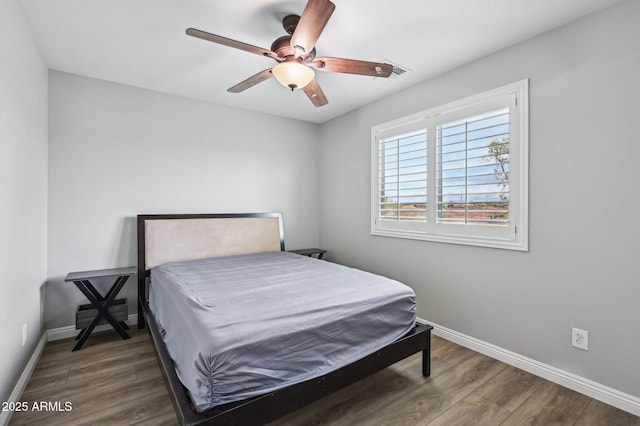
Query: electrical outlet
{"type": "Point", "coordinates": [580, 338]}
{"type": "Point", "coordinates": [24, 334]}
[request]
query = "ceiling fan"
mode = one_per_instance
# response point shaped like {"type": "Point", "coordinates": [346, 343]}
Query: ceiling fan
{"type": "Point", "coordinates": [296, 54]}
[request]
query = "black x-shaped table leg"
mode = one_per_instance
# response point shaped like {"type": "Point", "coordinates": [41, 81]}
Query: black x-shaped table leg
{"type": "Point", "coordinates": [102, 304]}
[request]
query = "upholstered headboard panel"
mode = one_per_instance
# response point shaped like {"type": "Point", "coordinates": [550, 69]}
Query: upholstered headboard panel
{"type": "Point", "coordinates": [178, 238]}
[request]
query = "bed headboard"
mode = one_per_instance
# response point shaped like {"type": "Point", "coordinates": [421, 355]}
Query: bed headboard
{"type": "Point", "coordinates": [173, 237]}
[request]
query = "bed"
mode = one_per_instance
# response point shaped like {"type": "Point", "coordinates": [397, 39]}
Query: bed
{"type": "Point", "coordinates": [246, 332]}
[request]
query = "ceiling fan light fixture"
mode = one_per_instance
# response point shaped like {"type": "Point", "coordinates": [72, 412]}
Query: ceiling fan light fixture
{"type": "Point", "coordinates": [293, 75]}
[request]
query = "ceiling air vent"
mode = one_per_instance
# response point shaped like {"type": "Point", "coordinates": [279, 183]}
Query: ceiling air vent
{"type": "Point", "coordinates": [398, 70]}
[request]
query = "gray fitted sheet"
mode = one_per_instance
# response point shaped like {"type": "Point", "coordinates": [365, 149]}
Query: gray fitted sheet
{"type": "Point", "coordinates": [242, 326]}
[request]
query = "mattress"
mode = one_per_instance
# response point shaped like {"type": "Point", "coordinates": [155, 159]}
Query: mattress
{"type": "Point", "coordinates": [242, 326]}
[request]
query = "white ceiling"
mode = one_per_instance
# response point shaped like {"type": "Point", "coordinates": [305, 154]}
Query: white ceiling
{"type": "Point", "coordinates": [143, 43]}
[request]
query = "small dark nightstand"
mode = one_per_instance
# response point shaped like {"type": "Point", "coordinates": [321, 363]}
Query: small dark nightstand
{"type": "Point", "coordinates": [310, 252]}
{"type": "Point", "coordinates": [101, 305]}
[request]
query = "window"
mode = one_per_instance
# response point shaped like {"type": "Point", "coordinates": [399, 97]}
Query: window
{"type": "Point", "coordinates": [456, 173]}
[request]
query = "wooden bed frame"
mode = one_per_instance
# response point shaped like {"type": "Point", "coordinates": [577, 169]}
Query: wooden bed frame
{"type": "Point", "coordinates": [171, 237]}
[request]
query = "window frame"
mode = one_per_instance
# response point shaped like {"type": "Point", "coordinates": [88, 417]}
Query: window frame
{"type": "Point", "coordinates": [516, 236]}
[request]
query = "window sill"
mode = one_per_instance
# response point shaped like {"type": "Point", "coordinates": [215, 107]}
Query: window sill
{"type": "Point", "coordinates": [451, 239]}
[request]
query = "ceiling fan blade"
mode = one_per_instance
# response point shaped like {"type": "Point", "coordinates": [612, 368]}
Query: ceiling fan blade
{"type": "Point", "coordinates": [232, 43]}
{"type": "Point", "coordinates": [314, 18]}
{"type": "Point", "coordinates": [315, 93]}
{"type": "Point", "coordinates": [352, 66]}
{"type": "Point", "coordinates": [251, 81]}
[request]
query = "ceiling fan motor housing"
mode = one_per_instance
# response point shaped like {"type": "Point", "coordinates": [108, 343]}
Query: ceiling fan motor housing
{"type": "Point", "coordinates": [282, 47]}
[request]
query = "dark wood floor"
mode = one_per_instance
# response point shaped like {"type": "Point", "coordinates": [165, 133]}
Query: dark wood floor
{"type": "Point", "coordinates": [111, 381]}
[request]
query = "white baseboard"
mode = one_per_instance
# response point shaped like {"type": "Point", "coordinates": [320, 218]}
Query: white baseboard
{"type": "Point", "coordinates": [572, 381]}
{"type": "Point", "coordinates": [18, 390]}
{"type": "Point", "coordinates": [70, 330]}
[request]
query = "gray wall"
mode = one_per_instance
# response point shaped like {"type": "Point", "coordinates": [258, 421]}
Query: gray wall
{"type": "Point", "coordinates": [583, 266]}
{"type": "Point", "coordinates": [23, 193]}
{"type": "Point", "coordinates": [116, 151]}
